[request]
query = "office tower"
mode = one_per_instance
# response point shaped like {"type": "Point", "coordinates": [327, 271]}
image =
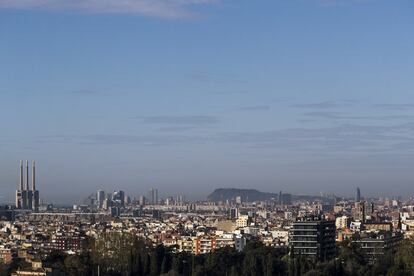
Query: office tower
{"type": "Point", "coordinates": [180, 200]}
{"type": "Point", "coordinates": [142, 200]}
{"type": "Point", "coordinates": [127, 200]}
{"type": "Point", "coordinates": [106, 204]}
{"type": "Point", "coordinates": [118, 197]}
{"type": "Point", "coordinates": [313, 237]}
{"type": "Point", "coordinates": [153, 196]}
{"type": "Point", "coordinates": [100, 197]}
{"type": "Point", "coordinates": [358, 195]}
{"type": "Point", "coordinates": [114, 211]}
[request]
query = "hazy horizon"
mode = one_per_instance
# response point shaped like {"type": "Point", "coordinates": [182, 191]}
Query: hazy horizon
{"type": "Point", "coordinates": [303, 96]}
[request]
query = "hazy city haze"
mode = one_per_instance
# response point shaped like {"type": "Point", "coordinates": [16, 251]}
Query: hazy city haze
{"type": "Point", "coordinates": [304, 96]}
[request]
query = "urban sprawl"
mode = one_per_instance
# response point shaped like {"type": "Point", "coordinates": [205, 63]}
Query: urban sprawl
{"type": "Point", "coordinates": [309, 227]}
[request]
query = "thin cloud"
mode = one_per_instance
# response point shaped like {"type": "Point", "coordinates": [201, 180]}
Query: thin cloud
{"type": "Point", "coordinates": [395, 106]}
{"type": "Point", "coordinates": [340, 3]}
{"type": "Point", "coordinates": [121, 139]}
{"type": "Point", "coordinates": [343, 138]}
{"type": "Point", "coordinates": [176, 128]}
{"type": "Point", "coordinates": [180, 120]}
{"type": "Point", "coordinates": [155, 8]}
{"type": "Point", "coordinates": [343, 116]}
{"type": "Point", "coordinates": [254, 108]}
{"type": "Point", "coordinates": [323, 105]}
{"type": "Point", "coordinates": [334, 115]}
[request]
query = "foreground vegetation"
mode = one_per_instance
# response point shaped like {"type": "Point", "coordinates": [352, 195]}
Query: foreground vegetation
{"type": "Point", "coordinates": [128, 255]}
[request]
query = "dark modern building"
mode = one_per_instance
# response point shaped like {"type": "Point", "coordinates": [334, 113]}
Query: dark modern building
{"type": "Point", "coordinates": [358, 195]}
{"type": "Point", "coordinates": [376, 244]}
{"type": "Point", "coordinates": [118, 197]}
{"type": "Point", "coordinates": [313, 237]}
{"type": "Point", "coordinates": [234, 213]}
{"type": "Point", "coordinates": [7, 213]}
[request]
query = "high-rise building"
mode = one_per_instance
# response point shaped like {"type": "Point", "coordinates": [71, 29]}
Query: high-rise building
{"type": "Point", "coordinates": [26, 198]}
{"type": "Point", "coordinates": [100, 197]}
{"type": "Point", "coordinates": [180, 200]}
{"type": "Point", "coordinates": [127, 200]}
{"type": "Point", "coordinates": [106, 204]}
{"type": "Point", "coordinates": [142, 200]}
{"type": "Point", "coordinates": [153, 196]}
{"type": "Point", "coordinates": [358, 195]}
{"type": "Point", "coordinates": [118, 197]}
{"type": "Point", "coordinates": [313, 237]}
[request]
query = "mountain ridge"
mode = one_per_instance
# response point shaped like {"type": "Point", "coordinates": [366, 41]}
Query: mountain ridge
{"type": "Point", "coordinates": [223, 194]}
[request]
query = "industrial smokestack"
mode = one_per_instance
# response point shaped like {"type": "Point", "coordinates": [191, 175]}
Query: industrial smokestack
{"type": "Point", "coordinates": [27, 175]}
{"type": "Point", "coordinates": [21, 176]}
{"type": "Point", "coordinates": [33, 177]}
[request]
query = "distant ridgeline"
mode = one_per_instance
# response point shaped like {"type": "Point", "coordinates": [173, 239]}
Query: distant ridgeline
{"type": "Point", "coordinates": [251, 195]}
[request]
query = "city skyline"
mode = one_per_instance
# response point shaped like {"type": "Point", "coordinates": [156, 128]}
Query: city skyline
{"type": "Point", "coordinates": [27, 197]}
{"type": "Point", "coordinates": [188, 96]}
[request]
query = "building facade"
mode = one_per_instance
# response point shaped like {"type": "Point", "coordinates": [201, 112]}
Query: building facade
{"type": "Point", "coordinates": [313, 237]}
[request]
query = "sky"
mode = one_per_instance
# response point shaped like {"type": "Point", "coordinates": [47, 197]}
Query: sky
{"type": "Point", "coordinates": [304, 96]}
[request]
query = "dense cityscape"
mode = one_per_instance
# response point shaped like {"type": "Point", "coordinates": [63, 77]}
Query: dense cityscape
{"type": "Point", "coordinates": [206, 138]}
{"type": "Point", "coordinates": [41, 239]}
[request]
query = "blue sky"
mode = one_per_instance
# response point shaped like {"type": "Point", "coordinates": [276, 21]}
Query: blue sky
{"type": "Point", "coordinates": [304, 96]}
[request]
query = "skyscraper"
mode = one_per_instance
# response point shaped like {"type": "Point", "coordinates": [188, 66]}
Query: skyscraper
{"type": "Point", "coordinates": [142, 200]}
{"type": "Point", "coordinates": [100, 197]}
{"type": "Point", "coordinates": [153, 196]}
{"type": "Point", "coordinates": [119, 198]}
{"type": "Point", "coordinates": [358, 195]}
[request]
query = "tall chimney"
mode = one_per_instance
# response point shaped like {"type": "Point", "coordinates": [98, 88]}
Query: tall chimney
{"type": "Point", "coordinates": [27, 175]}
{"type": "Point", "coordinates": [21, 175]}
{"type": "Point", "coordinates": [33, 177]}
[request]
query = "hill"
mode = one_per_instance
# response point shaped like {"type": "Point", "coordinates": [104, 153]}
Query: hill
{"type": "Point", "coordinates": [251, 195]}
